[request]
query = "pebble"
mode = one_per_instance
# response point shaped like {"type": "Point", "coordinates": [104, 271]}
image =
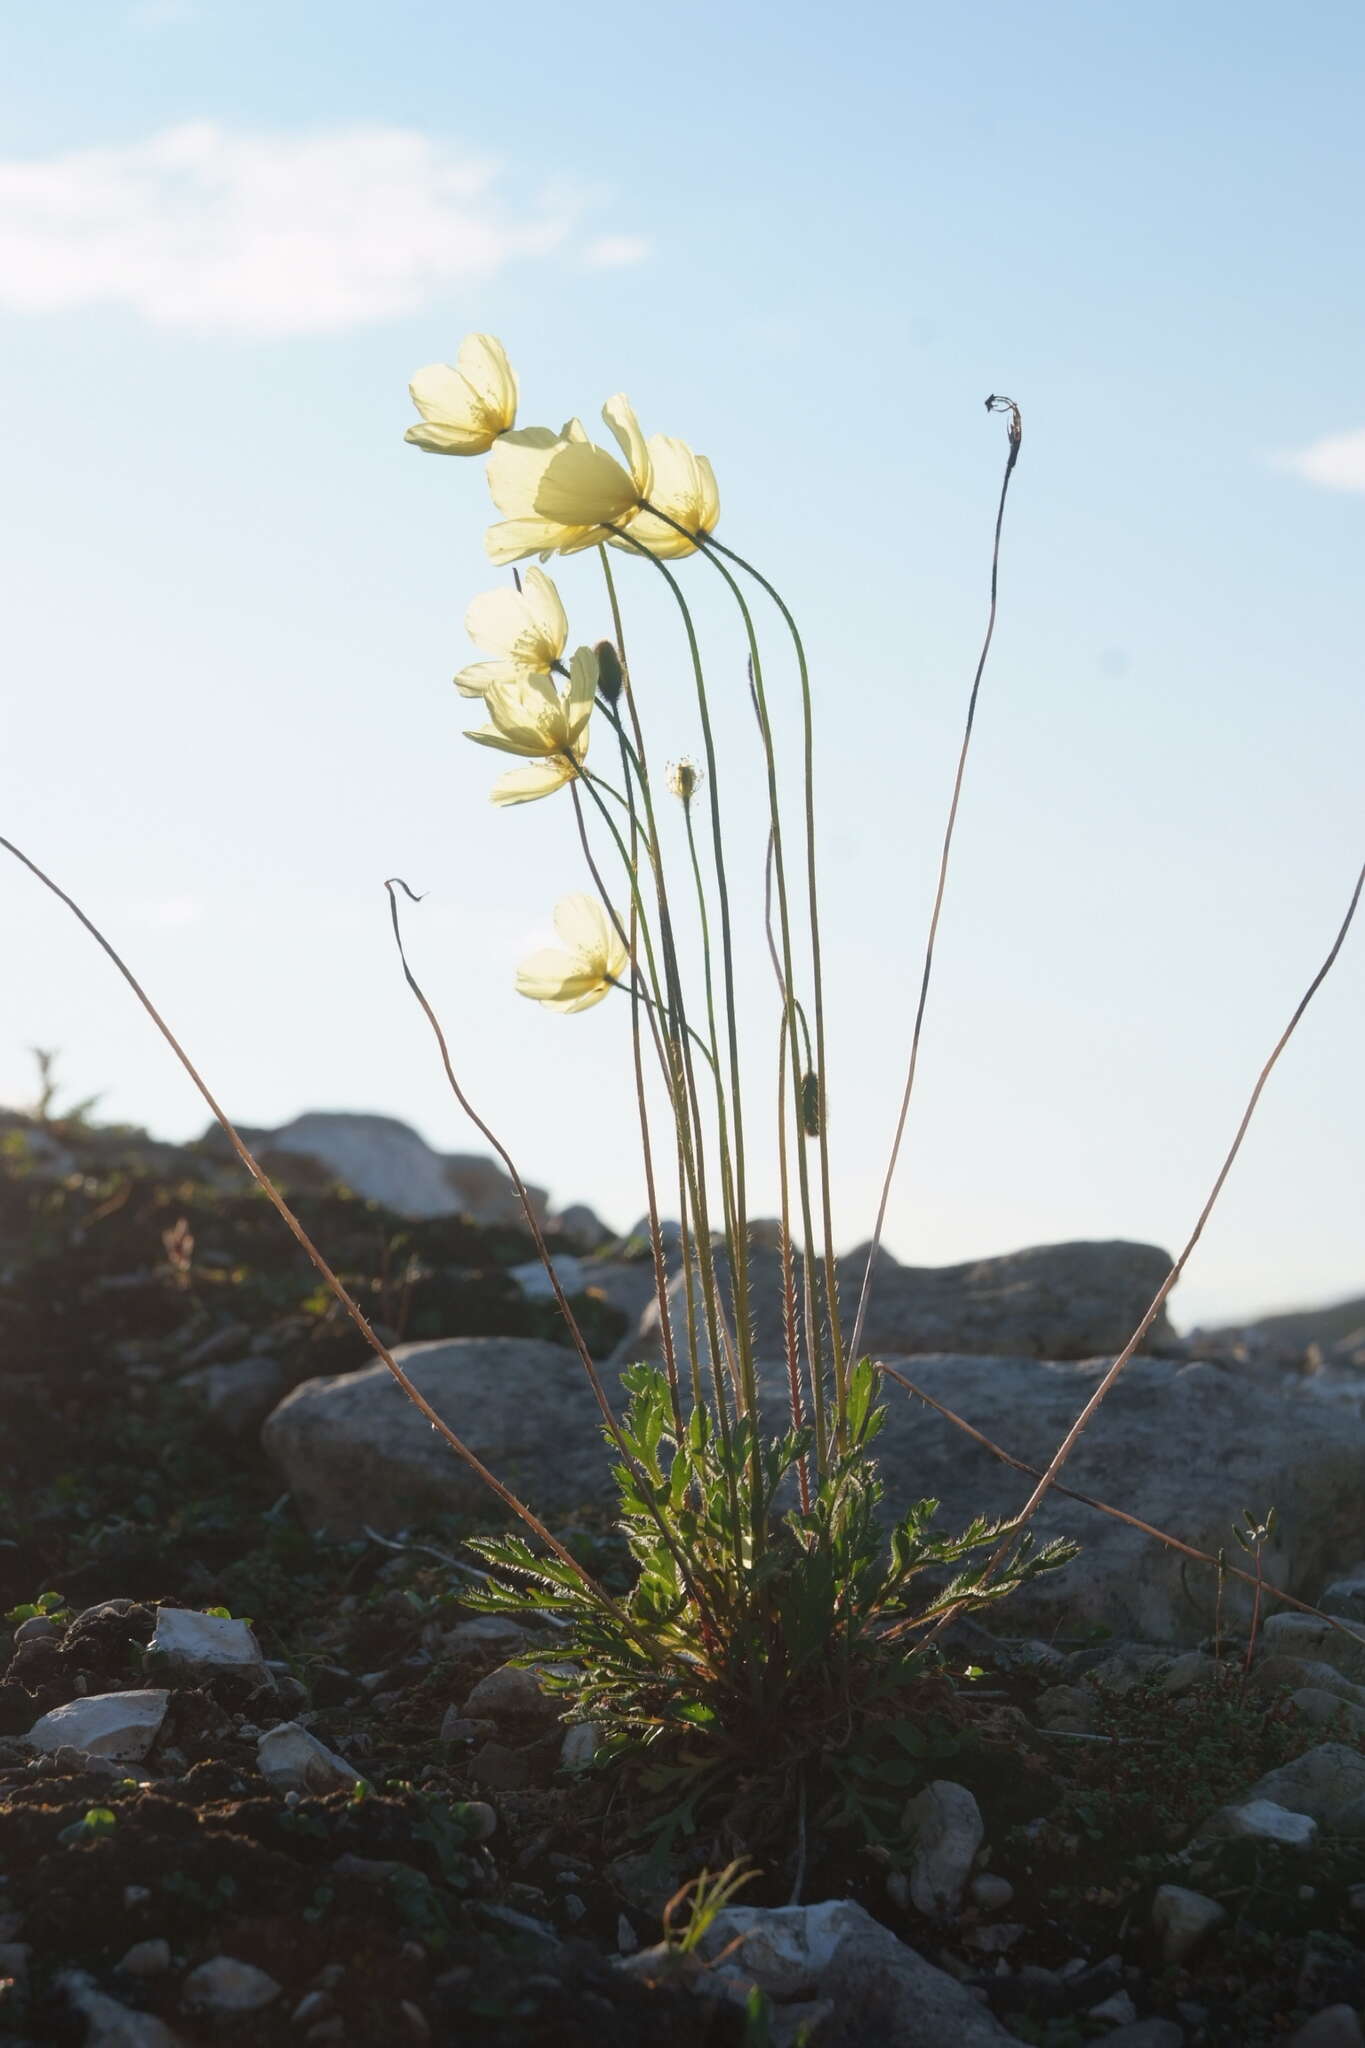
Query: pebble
{"type": "Point", "coordinates": [311, 2006]}
{"type": "Point", "coordinates": [579, 1746]}
{"type": "Point", "coordinates": [1183, 1919]}
{"type": "Point", "coordinates": [207, 1643]}
{"type": "Point", "coordinates": [293, 1760]}
{"type": "Point", "coordinates": [945, 1824]}
{"type": "Point", "coordinates": [109, 2024]}
{"type": "Point", "coordinates": [416, 2020]}
{"type": "Point", "coordinates": [1069, 1709]}
{"type": "Point", "coordinates": [224, 1984]}
{"type": "Point", "coordinates": [1262, 1820]}
{"type": "Point", "coordinates": [479, 1818]}
{"type": "Point", "coordinates": [990, 1892]}
{"type": "Point", "coordinates": [109, 1724]}
{"type": "Point", "coordinates": [512, 1693]}
{"type": "Point", "coordinates": [1149, 2033]}
{"type": "Point", "coordinates": [1327, 1709]}
{"type": "Point", "coordinates": [1118, 2008]}
{"type": "Point", "coordinates": [136, 1895]}
{"type": "Point", "coordinates": [146, 1959]}
{"type": "Point", "coordinates": [333, 2029]}
{"type": "Point", "coordinates": [35, 1629]}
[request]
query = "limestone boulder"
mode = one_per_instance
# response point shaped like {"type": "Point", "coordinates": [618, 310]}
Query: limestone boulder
{"type": "Point", "coordinates": [354, 1450]}
{"type": "Point", "coordinates": [1057, 1301]}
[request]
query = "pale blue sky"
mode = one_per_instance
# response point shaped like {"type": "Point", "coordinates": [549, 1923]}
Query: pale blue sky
{"type": "Point", "coordinates": [810, 242]}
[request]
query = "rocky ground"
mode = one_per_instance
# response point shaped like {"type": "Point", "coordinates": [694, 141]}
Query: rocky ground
{"type": "Point", "coordinates": [264, 1776]}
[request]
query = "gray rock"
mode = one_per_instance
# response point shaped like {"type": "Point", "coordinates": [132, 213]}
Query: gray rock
{"type": "Point", "coordinates": [1070, 1709]}
{"type": "Point", "coordinates": [990, 1893]}
{"type": "Point", "coordinates": [877, 1988]}
{"type": "Point", "coordinates": [535, 1282]}
{"type": "Point", "coordinates": [145, 1959]}
{"type": "Point", "coordinates": [108, 1724]}
{"type": "Point", "coordinates": [513, 1693]}
{"type": "Point", "coordinates": [294, 1761]}
{"type": "Point", "coordinates": [1117, 2008]}
{"type": "Point", "coordinates": [1336, 2026]}
{"type": "Point", "coordinates": [207, 1644]}
{"type": "Point", "coordinates": [1346, 1596]}
{"type": "Point", "coordinates": [1302, 1635]}
{"type": "Point", "coordinates": [35, 1629]}
{"type": "Point", "coordinates": [945, 1825]}
{"type": "Point", "coordinates": [1183, 1919]}
{"type": "Point", "coordinates": [1274, 1671]}
{"type": "Point", "coordinates": [237, 1396]}
{"type": "Point", "coordinates": [226, 1985]}
{"type": "Point", "coordinates": [1186, 1446]}
{"type": "Point", "coordinates": [354, 1450]}
{"type": "Point", "coordinates": [1058, 1301]}
{"type": "Point", "coordinates": [1187, 1673]}
{"type": "Point", "coordinates": [1261, 1820]}
{"type": "Point", "coordinates": [109, 2024]}
{"type": "Point", "coordinates": [386, 1161]}
{"type": "Point", "coordinates": [1323, 1782]}
{"type": "Point", "coordinates": [628, 1284]}
{"type": "Point", "coordinates": [582, 1222]}
{"type": "Point", "coordinates": [1326, 1709]}
{"type": "Point", "coordinates": [579, 1746]}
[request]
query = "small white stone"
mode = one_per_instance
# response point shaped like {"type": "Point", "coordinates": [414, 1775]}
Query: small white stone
{"type": "Point", "coordinates": [206, 1642]}
{"type": "Point", "coordinates": [579, 1746]}
{"type": "Point", "coordinates": [990, 1892]}
{"type": "Point", "coordinates": [945, 1823]}
{"type": "Point", "coordinates": [117, 1724]}
{"type": "Point", "coordinates": [1183, 1919]}
{"type": "Point", "coordinates": [295, 1761]}
{"type": "Point", "coordinates": [226, 1985]}
{"type": "Point", "coordinates": [1336, 2026]}
{"type": "Point", "coordinates": [1261, 1820]}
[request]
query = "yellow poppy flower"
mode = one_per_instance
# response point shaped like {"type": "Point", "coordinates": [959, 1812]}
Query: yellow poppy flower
{"type": "Point", "coordinates": [531, 718]}
{"type": "Point", "coordinates": [526, 628]}
{"type": "Point", "coordinates": [684, 487]}
{"type": "Point", "coordinates": [561, 492]}
{"type": "Point", "coordinates": [595, 960]}
{"type": "Point", "coordinates": [466, 405]}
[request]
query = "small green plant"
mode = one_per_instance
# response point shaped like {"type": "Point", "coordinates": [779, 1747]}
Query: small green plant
{"type": "Point", "coordinates": [47, 1607]}
{"type": "Point", "coordinates": [704, 1897]}
{"type": "Point", "coordinates": [775, 1658]}
{"type": "Point", "coordinates": [95, 1825]}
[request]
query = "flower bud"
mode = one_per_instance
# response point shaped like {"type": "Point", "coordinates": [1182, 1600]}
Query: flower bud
{"type": "Point", "coordinates": [684, 779]}
{"type": "Point", "coordinates": [810, 1104]}
{"type": "Point", "coordinates": [609, 676]}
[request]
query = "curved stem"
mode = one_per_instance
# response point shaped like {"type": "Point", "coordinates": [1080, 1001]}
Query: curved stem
{"type": "Point", "coordinates": [320, 1265]}
{"type": "Point", "coordinates": [1015, 432]}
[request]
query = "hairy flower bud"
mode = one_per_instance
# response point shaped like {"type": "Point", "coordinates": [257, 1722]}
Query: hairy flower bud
{"type": "Point", "coordinates": [609, 676]}
{"type": "Point", "coordinates": [684, 779]}
{"type": "Point", "coordinates": [811, 1107]}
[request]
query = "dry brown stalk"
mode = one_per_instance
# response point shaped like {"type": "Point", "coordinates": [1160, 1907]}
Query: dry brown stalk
{"type": "Point", "coordinates": [329, 1278]}
{"type": "Point", "coordinates": [1103, 1507]}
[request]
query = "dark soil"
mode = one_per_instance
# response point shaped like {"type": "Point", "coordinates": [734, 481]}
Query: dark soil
{"type": "Point", "coordinates": [387, 1907]}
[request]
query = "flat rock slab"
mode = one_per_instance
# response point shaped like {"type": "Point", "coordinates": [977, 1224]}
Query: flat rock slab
{"type": "Point", "coordinates": [114, 1724]}
{"type": "Point", "coordinates": [1049, 1301]}
{"type": "Point", "coordinates": [353, 1449]}
{"type": "Point", "coordinates": [1183, 1446]}
{"type": "Point", "coordinates": [207, 1643]}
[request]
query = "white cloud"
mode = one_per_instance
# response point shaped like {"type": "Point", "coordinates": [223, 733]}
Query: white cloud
{"type": "Point", "coordinates": [221, 230]}
{"type": "Point", "coordinates": [615, 252]}
{"type": "Point", "coordinates": [1337, 462]}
